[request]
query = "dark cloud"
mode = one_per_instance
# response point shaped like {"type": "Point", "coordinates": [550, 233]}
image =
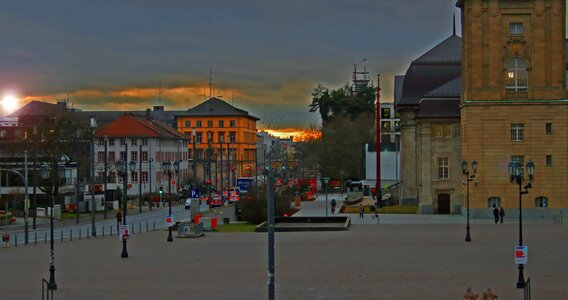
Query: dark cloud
{"type": "Point", "coordinates": [267, 54]}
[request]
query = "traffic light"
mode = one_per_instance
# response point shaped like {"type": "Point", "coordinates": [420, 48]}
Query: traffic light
{"type": "Point", "coordinates": [161, 190]}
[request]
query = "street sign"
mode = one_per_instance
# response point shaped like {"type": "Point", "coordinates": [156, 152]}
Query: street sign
{"type": "Point", "coordinates": [169, 220]}
{"type": "Point", "coordinates": [130, 185]}
{"type": "Point", "coordinates": [521, 254]}
{"type": "Point", "coordinates": [173, 182]}
{"type": "Point", "coordinates": [123, 233]}
{"type": "Point", "coordinates": [194, 193]}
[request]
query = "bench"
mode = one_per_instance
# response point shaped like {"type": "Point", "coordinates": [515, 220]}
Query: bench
{"type": "Point", "coordinates": [190, 230]}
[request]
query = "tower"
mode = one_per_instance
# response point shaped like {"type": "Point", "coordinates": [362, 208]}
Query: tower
{"type": "Point", "coordinates": [513, 104]}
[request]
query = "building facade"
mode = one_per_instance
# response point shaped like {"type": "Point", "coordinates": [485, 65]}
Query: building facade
{"type": "Point", "coordinates": [513, 104]}
{"type": "Point", "coordinates": [225, 141]}
{"type": "Point", "coordinates": [150, 143]}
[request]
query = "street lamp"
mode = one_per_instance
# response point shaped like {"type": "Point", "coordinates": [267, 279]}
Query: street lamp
{"type": "Point", "coordinates": [166, 168]}
{"type": "Point", "coordinates": [45, 171]}
{"type": "Point", "coordinates": [93, 126]}
{"type": "Point", "coordinates": [516, 175]}
{"type": "Point", "coordinates": [465, 172]}
{"type": "Point", "coordinates": [121, 169]}
{"type": "Point", "coordinates": [326, 180]}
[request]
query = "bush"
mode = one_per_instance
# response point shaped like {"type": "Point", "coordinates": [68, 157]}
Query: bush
{"type": "Point", "coordinates": [254, 205]}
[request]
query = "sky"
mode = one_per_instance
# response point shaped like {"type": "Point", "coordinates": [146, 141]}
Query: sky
{"type": "Point", "coordinates": [264, 56]}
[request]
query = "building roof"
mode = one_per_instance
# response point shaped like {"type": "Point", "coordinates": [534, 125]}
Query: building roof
{"type": "Point", "coordinates": [451, 89]}
{"type": "Point", "coordinates": [130, 125]}
{"type": "Point", "coordinates": [38, 108]}
{"type": "Point", "coordinates": [398, 85]}
{"type": "Point", "coordinates": [432, 70]}
{"type": "Point", "coordinates": [216, 107]}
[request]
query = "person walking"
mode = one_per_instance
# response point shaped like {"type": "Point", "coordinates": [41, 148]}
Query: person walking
{"type": "Point", "coordinates": [118, 219]}
{"type": "Point", "coordinates": [496, 213]}
{"type": "Point", "coordinates": [373, 212]}
{"type": "Point", "coordinates": [333, 204]}
{"type": "Point", "coordinates": [361, 211]}
{"type": "Point", "coordinates": [501, 214]}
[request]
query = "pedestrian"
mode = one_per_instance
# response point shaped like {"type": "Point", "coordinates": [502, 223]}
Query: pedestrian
{"type": "Point", "coordinates": [6, 240]}
{"type": "Point", "coordinates": [118, 219]}
{"type": "Point", "coordinates": [373, 211]}
{"type": "Point", "coordinates": [361, 211]}
{"type": "Point", "coordinates": [501, 213]}
{"type": "Point", "coordinates": [333, 203]}
{"type": "Point", "coordinates": [496, 213]}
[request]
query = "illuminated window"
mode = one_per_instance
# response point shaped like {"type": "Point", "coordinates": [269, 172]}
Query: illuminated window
{"type": "Point", "coordinates": [516, 78]}
{"type": "Point", "coordinates": [438, 130]}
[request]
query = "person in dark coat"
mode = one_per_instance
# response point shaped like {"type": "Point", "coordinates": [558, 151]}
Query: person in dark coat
{"type": "Point", "coordinates": [118, 219]}
{"type": "Point", "coordinates": [496, 214]}
{"type": "Point", "coordinates": [501, 214]}
{"type": "Point", "coordinates": [333, 204]}
{"type": "Point", "coordinates": [361, 211]}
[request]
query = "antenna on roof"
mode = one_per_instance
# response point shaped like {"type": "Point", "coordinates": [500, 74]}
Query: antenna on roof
{"type": "Point", "coordinates": [454, 23]}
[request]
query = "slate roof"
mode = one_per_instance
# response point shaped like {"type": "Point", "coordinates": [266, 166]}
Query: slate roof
{"type": "Point", "coordinates": [451, 89]}
{"type": "Point", "coordinates": [439, 108]}
{"type": "Point", "coordinates": [38, 108]}
{"type": "Point", "coordinates": [432, 70]}
{"type": "Point", "coordinates": [216, 107]}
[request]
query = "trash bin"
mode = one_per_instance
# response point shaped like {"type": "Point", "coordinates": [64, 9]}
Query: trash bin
{"type": "Point", "coordinates": [196, 218]}
{"type": "Point", "coordinates": [226, 221]}
{"type": "Point", "coordinates": [213, 223]}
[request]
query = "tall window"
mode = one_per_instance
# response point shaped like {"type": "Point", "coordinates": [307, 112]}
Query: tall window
{"type": "Point", "coordinates": [144, 177]}
{"type": "Point", "coordinates": [198, 124]}
{"type": "Point", "coordinates": [385, 113]}
{"type": "Point", "coordinates": [443, 168]}
{"type": "Point", "coordinates": [548, 128]}
{"type": "Point", "coordinates": [209, 124]}
{"type": "Point", "coordinates": [101, 141]}
{"type": "Point", "coordinates": [111, 156]}
{"type": "Point", "coordinates": [232, 137]}
{"type": "Point", "coordinates": [221, 123]}
{"type": "Point", "coordinates": [221, 136]}
{"type": "Point", "coordinates": [111, 142]}
{"type": "Point", "coordinates": [134, 177]}
{"type": "Point", "coordinates": [494, 202]}
{"type": "Point", "coordinates": [123, 155]}
{"type": "Point", "coordinates": [199, 137]}
{"type": "Point", "coordinates": [134, 155]}
{"type": "Point", "coordinates": [232, 123]}
{"type": "Point", "coordinates": [516, 77]}
{"type": "Point", "coordinates": [144, 156]}
{"type": "Point", "coordinates": [134, 142]}
{"type": "Point", "coordinates": [122, 141]}
{"type": "Point", "coordinates": [541, 202]}
{"type": "Point", "coordinates": [100, 156]}
{"type": "Point", "coordinates": [187, 123]}
{"type": "Point", "coordinates": [549, 160]}
{"type": "Point", "coordinates": [145, 142]}
{"type": "Point", "coordinates": [517, 132]}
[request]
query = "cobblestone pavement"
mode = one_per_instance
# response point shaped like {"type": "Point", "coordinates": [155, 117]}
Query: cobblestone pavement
{"type": "Point", "coordinates": [385, 261]}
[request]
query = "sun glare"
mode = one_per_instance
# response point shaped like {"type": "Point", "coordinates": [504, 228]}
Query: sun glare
{"type": "Point", "coordinates": [9, 103]}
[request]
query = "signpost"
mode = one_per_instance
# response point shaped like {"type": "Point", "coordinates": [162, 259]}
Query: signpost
{"type": "Point", "coordinates": [123, 232]}
{"type": "Point", "coordinates": [169, 220]}
{"type": "Point", "coordinates": [194, 193]}
{"type": "Point", "coordinates": [521, 255]}
{"type": "Point", "coordinates": [173, 182]}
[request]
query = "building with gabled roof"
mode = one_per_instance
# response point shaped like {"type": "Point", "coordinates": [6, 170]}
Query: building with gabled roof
{"type": "Point", "coordinates": [223, 141]}
{"type": "Point", "coordinates": [148, 143]}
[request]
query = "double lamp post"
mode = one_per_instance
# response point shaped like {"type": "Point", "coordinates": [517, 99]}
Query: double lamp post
{"type": "Point", "coordinates": [166, 168]}
{"type": "Point", "coordinates": [123, 171]}
{"type": "Point", "coordinates": [465, 172]}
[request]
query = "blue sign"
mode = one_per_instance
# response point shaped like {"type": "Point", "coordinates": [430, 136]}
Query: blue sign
{"type": "Point", "coordinates": [194, 193]}
{"type": "Point", "coordinates": [244, 184]}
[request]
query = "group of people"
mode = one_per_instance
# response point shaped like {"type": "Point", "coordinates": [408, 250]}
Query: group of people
{"type": "Point", "coordinates": [498, 214]}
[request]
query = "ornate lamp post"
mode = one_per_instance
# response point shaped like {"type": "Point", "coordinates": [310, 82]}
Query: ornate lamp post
{"type": "Point", "coordinates": [121, 169]}
{"type": "Point", "coordinates": [465, 172]}
{"type": "Point", "coordinates": [516, 175]}
{"type": "Point", "coordinates": [326, 180]}
{"type": "Point", "coordinates": [166, 168]}
{"type": "Point", "coordinates": [46, 176]}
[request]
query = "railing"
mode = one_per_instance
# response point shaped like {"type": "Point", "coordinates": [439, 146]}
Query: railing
{"type": "Point", "coordinates": [45, 290]}
{"type": "Point", "coordinates": [528, 289]}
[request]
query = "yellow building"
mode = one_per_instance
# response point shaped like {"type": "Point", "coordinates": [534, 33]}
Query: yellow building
{"type": "Point", "coordinates": [224, 138]}
{"type": "Point", "coordinates": [513, 104]}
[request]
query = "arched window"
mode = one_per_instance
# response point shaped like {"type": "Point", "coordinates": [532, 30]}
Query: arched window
{"type": "Point", "coordinates": [541, 202]}
{"type": "Point", "coordinates": [516, 75]}
{"type": "Point", "coordinates": [494, 202]}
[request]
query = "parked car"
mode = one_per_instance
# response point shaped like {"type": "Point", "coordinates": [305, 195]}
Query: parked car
{"type": "Point", "coordinates": [187, 203]}
{"type": "Point", "coordinates": [234, 198]}
{"type": "Point", "coordinates": [216, 202]}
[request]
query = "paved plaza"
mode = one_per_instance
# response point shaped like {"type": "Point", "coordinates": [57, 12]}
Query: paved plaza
{"type": "Point", "coordinates": [384, 261]}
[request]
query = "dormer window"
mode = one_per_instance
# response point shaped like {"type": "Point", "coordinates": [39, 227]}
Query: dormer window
{"type": "Point", "coordinates": [516, 28]}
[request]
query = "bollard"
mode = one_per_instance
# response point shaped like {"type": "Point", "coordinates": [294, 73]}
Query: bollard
{"type": "Point", "coordinates": [45, 238]}
{"type": "Point", "coordinates": [71, 234]}
{"type": "Point", "coordinates": [87, 233]}
{"type": "Point", "coordinates": [35, 235]}
{"type": "Point", "coordinates": [132, 228]}
{"type": "Point", "coordinates": [146, 226]}
{"type": "Point", "coordinates": [154, 225]}
{"type": "Point", "coordinates": [139, 227]}
{"type": "Point", "coordinates": [103, 230]}
{"type": "Point", "coordinates": [61, 231]}
{"type": "Point", "coordinates": [110, 230]}
{"type": "Point", "coordinates": [80, 233]}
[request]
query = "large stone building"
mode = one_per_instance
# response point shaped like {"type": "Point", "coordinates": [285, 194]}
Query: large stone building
{"type": "Point", "coordinates": [496, 95]}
